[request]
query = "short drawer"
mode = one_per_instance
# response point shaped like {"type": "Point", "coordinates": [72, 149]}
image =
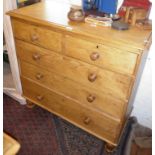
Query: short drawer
{"type": "Point", "coordinates": [101, 55]}
{"type": "Point", "coordinates": [88, 97]}
{"type": "Point", "coordinates": [114, 84]}
{"type": "Point", "coordinates": [37, 35]}
{"type": "Point", "coordinates": [95, 123]}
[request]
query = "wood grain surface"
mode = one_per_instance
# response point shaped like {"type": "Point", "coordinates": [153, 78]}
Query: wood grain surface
{"type": "Point", "coordinates": [110, 58]}
{"type": "Point", "coordinates": [38, 36]}
{"type": "Point", "coordinates": [101, 102]}
{"type": "Point", "coordinates": [72, 111]}
{"type": "Point", "coordinates": [117, 85]}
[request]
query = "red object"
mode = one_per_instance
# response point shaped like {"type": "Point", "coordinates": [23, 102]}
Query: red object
{"type": "Point", "coordinates": [144, 4]}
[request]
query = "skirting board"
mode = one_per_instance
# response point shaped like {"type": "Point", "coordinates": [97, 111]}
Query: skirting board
{"type": "Point", "coordinates": [15, 95]}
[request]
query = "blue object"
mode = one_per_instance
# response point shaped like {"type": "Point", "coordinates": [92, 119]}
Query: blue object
{"type": "Point", "coordinates": [108, 6]}
{"type": "Point", "coordinates": [87, 4]}
{"type": "Point", "coordinates": [105, 6]}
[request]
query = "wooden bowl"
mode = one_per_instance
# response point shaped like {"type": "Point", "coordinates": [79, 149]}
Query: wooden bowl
{"type": "Point", "coordinates": [76, 14]}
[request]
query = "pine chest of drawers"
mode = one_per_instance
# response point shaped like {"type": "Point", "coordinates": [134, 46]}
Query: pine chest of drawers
{"type": "Point", "coordinates": [87, 75]}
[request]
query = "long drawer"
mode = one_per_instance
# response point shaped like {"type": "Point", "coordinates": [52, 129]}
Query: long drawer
{"type": "Point", "coordinates": [37, 35]}
{"type": "Point", "coordinates": [101, 55]}
{"type": "Point", "coordinates": [89, 120]}
{"type": "Point", "coordinates": [93, 99]}
{"type": "Point", "coordinates": [114, 84]}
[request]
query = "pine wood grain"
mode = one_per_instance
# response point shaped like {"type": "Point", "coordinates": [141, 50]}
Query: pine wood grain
{"type": "Point", "coordinates": [108, 58]}
{"type": "Point", "coordinates": [37, 35]}
{"type": "Point", "coordinates": [72, 111]}
{"type": "Point", "coordinates": [117, 85]}
{"type": "Point", "coordinates": [102, 102]}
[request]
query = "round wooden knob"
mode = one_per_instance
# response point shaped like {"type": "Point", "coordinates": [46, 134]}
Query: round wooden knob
{"type": "Point", "coordinates": [34, 37]}
{"type": "Point", "coordinates": [87, 120]}
{"type": "Point", "coordinates": [97, 46]}
{"type": "Point", "coordinates": [91, 98]}
{"type": "Point", "coordinates": [92, 77]}
{"type": "Point", "coordinates": [40, 97]}
{"type": "Point", "coordinates": [36, 56]}
{"type": "Point", "coordinates": [39, 76]}
{"type": "Point", "coordinates": [94, 56]}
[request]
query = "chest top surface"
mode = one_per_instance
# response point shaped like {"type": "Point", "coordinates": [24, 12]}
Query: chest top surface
{"type": "Point", "coordinates": [54, 14]}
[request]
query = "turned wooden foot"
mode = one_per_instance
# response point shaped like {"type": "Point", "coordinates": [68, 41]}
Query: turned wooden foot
{"type": "Point", "coordinates": [30, 104]}
{"type": "Point", "coordinates": [109, 148]}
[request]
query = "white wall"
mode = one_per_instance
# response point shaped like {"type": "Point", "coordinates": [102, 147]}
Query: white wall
{"type": "Point", "coordinates": [143, 101]}
{"type": "Point", "coordinates": [73, 2]}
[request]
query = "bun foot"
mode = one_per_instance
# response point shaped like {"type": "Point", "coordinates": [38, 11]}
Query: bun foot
{"type": "Point", "coordinates": [109, 148]}
{"type": "Point", "coordinates": [30, 104]}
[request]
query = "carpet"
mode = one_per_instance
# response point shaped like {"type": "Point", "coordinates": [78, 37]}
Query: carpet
{"type": "Point", "coordinates": [41, 133]}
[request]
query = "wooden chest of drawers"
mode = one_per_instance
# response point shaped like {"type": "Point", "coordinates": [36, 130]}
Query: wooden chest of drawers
{"type": "Point", "coordinates": [86, 75]}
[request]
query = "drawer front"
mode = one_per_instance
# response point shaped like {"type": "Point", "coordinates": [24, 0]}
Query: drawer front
{"type": "Point", "coordinates": [95, 123]}
{"type": "Point", "coordinates": [93, 77]}
{"type": "Point", "coordinates": [37, 35]}
{"type": "Point", "coordinates": [88, 97]}
{"type": "Point", "coordinates": [100, 55]}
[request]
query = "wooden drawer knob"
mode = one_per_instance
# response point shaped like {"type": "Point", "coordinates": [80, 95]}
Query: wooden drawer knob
{"type": "Point", "coordinates": [91, 98]}
{"type": "Point", "coordinates": [40, 97]}
{"type": "Point", "coordinates": [39, 76]}
{"type": "Point", "coordinates": [36, 56]}
{"type": "Point", "coordinates": [92, 77]}
{"type": "Point", "coordinates": [86, 120]}
{"type": "Point", "coordinates": [94, 56]}
{"type": "Point", "coordinates": [97, 46]}
{"type": "Point", "coordinates": [34, 37]}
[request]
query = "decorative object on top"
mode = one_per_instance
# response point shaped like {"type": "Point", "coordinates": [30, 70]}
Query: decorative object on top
{"type": "Point", "coordinates": [142, 4]}
{"type": "Point", "coordinates": [106, 6]}
{"type": "Point", "coordinates": [87, 4]}
{"type": "Point", "coordinates": [134, 14]}
{"type": "Point", "coordinates": [144, 24]}
{"type": "Point", "coordinates": [108, 9]}
{"type": "Point", "coordinates": [136, 11]}
{"type": "Point", "coordinates": [97, 20]}
{"type": "Point", "coordinates": [120, 25]}
{"type": "Point", "coordinates": [76, 14]}
{"type": "Point", "coordinates": [116, 17]}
